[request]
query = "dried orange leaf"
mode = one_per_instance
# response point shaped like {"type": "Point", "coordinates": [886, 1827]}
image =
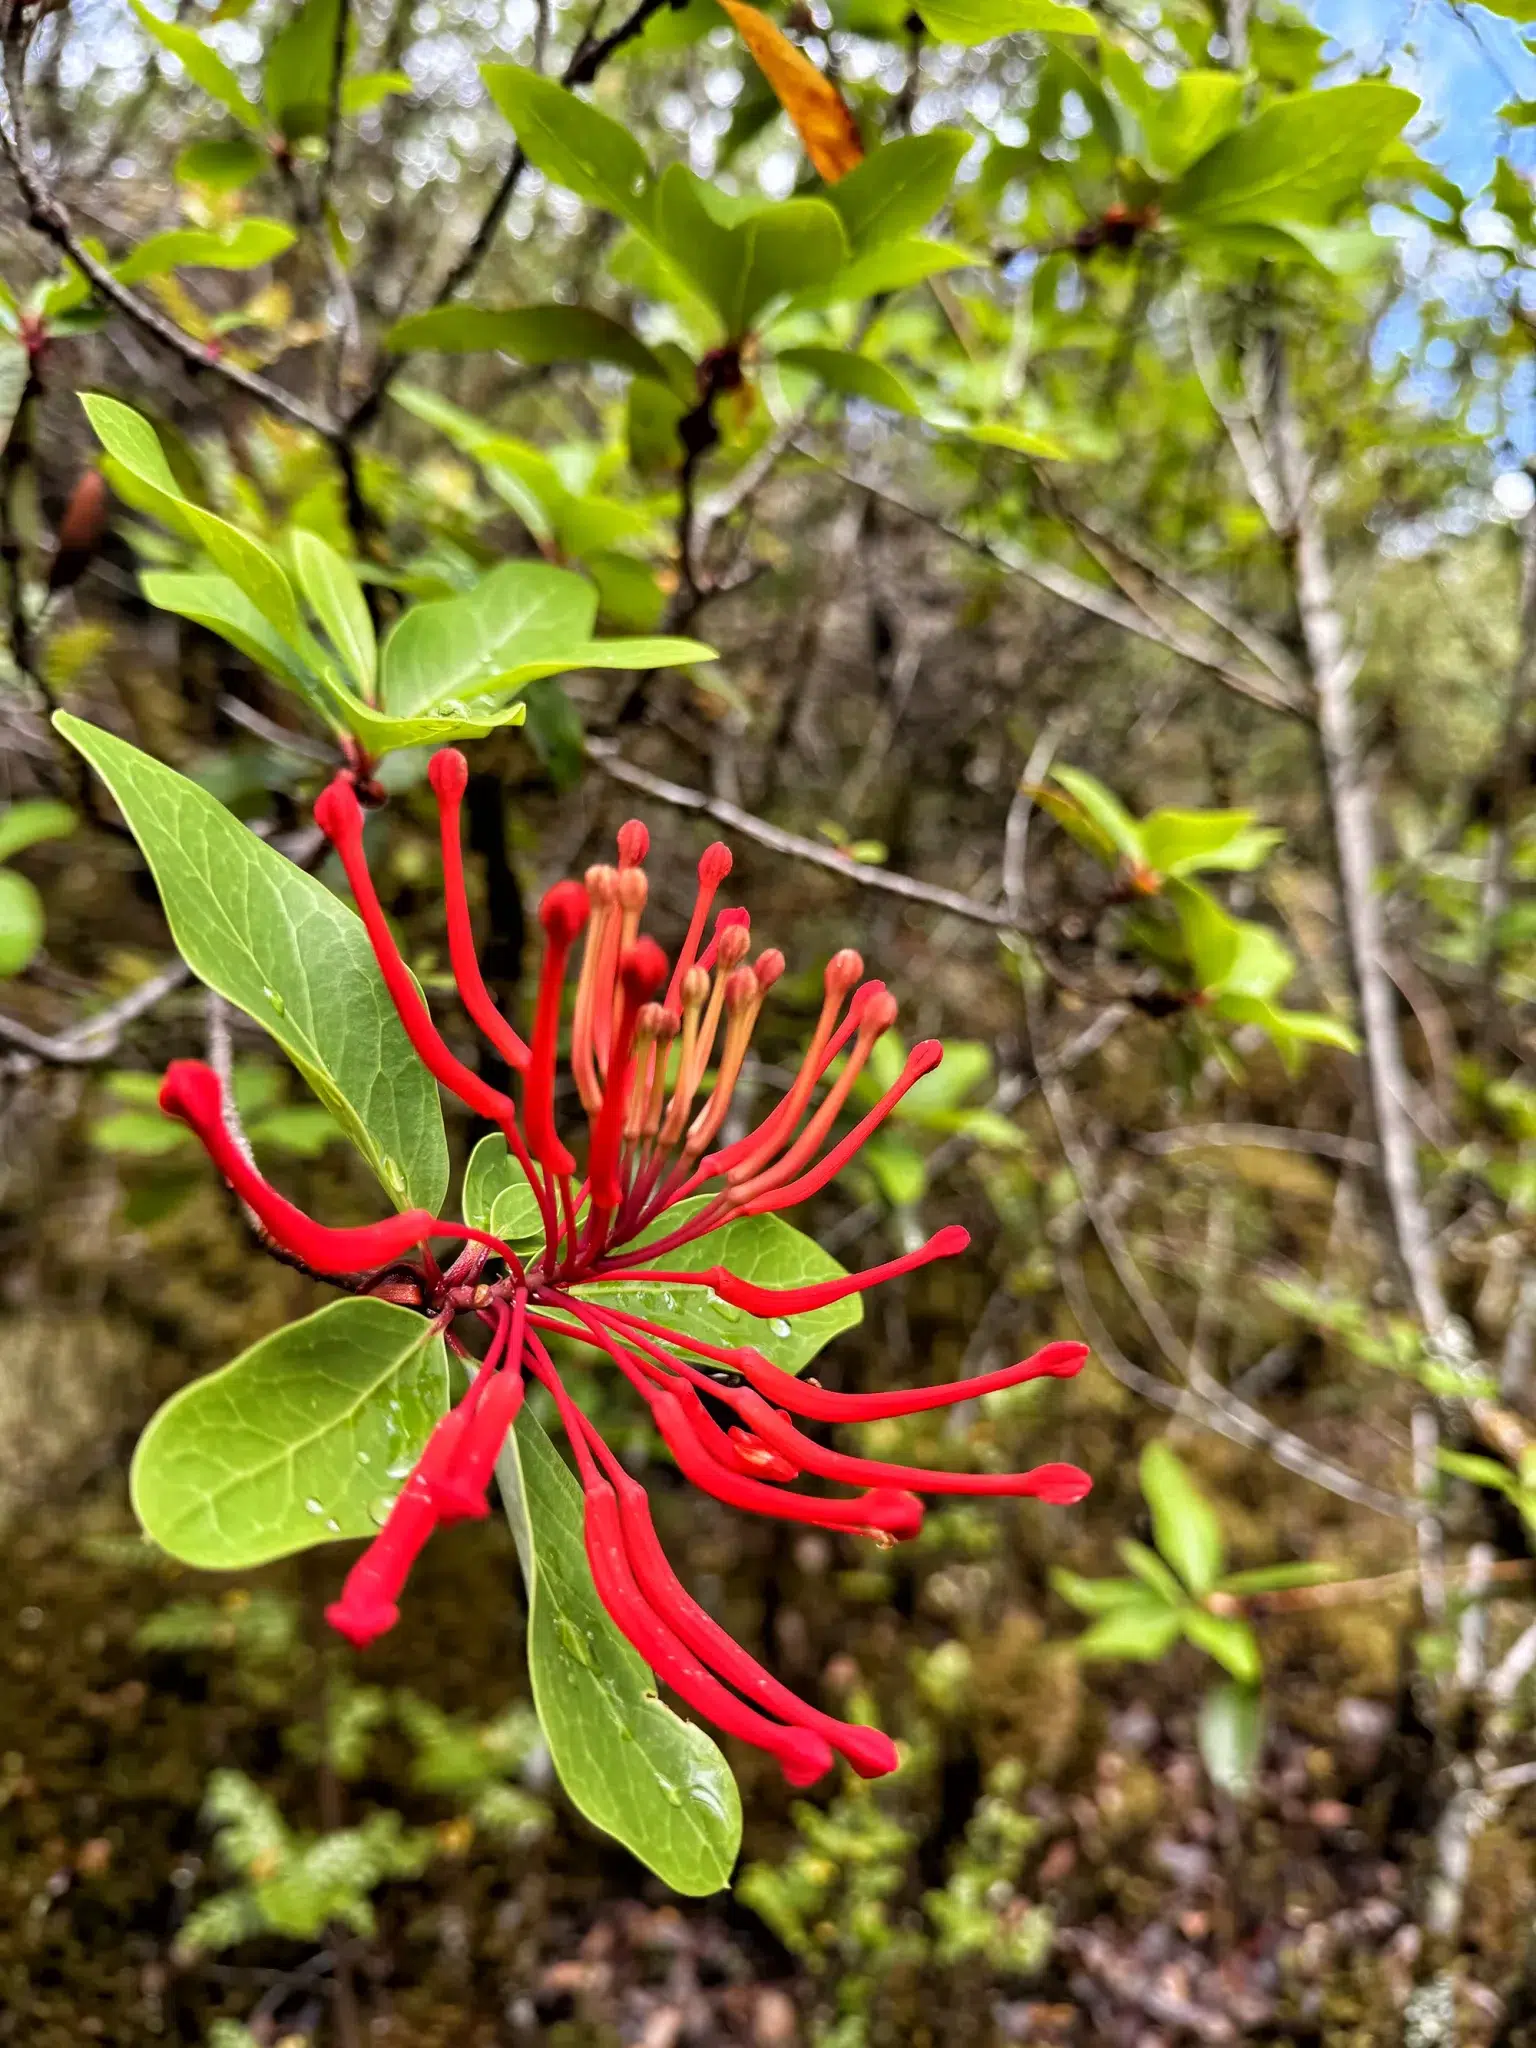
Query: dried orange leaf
{"type": "Point", "coordinates": [812, 102]}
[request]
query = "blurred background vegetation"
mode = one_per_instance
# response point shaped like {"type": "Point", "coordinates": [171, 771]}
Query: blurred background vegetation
{"type": "Point", "coordinates": [1118, 543]}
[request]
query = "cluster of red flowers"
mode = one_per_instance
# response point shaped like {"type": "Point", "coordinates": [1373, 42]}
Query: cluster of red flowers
{"type": "Point", "coordinates": [645, 1040]}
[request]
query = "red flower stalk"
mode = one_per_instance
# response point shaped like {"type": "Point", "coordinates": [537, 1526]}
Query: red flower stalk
{"type": "Point", "coordinates": [644, 1036]}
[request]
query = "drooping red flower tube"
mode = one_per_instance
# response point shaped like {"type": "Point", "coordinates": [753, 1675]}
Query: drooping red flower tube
{"type": "Point", "coordinates": [656, 1050]}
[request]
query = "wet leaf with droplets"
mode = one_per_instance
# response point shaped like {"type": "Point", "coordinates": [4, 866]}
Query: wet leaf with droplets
{"type": "Point", "coordinates": [280, 1449]}
{"type": "Point", "coordinates": [635, 1769]}
{"type": "Point", "coordinates": [763, 1249]}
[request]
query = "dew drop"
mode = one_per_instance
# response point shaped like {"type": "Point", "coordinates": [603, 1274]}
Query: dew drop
{"type": "Point", "coordinates": [779, 1327]}
{"type": "Point", "coordinates": [401, 1469]}
{"type": "Point", "coordinates": [333, 1525]}
{"type": "Point", "coordinates": [670, 1793]}
{"type": "Point", "coordinates": [572, 1641]}
{"type": "Point", "coordinates": [379, 1507]}
{"type": "Point", "coordinates": [279, 1007]}
{"type": "Point", "coordinates": [363, 1458]}
{"type": "Point", "coordinates": [313, 1506]}
{"type": "Point", "coordinates": [668, 1300]}
{"type": "Point", "coordinates": [393, 1177]}
{"type": "Point", "coordinates": [626, 1734]}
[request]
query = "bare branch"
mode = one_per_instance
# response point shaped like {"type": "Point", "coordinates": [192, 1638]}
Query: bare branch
{"type": "Point", "coordinates": [605, 754]}
{"type": "Point", "coordinates": [1277, 1137]}
{"type": "Point", "coordinates": [1101, 603]}
{"type": "Point", "coordinates": [94, 1038]}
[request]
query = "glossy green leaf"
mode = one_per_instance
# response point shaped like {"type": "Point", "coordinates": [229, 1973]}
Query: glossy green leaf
{"type": "Point", "coordinates": [899, 1168]}
{"type": "Point", "coordinates": [534, 334]}
{"type": "Point", "coordinates": [1150, 1570]}
{"type": "Point", "coordinates": [1230, 1733]}
{"type": "Point", "coordinates": [979, 21]}
{"type": "Point", "coordinates": [24, 824]}
{"type": "Point", "coordinates": [1181, 124]}
{"type": "Point", "coordinates": [1104, 810]}
{"type": "Point", "coordinates": [135, 454]}
{"type": "Point", "coordinates": [370, 89]}
{"type": "Point", "coordinates": [296, 85]}
{"type": "Point", "coordinates": [277, 944]}
{"type": "Point", "coordinates": [1479, 1470]}
{"type": "Point", "coordinates": [1277, 1578]}
{"type": "Point", "coordinates": [223, 608]}
{"type": "Point", "coordinates": [301, 1440]}
{"type": "Point", "coordinates": [571, 141]}
{"type": "Point", "coordinates": [242, 247]}
{"type": "Point", "coordinates": [1301, 158]}
{"type": "Point", "coordinates": [223, 164]}
{"type": "Point", "coordinates": [743, 260]}
{"type": "Point", "coordinates": [329, 583]}
{"type": "Point", "coordinates": [1102, 1596]}
{"type": "Point", "coordinates": [636, 1770]}
{"type": "Point", "coordinates": [899, 187]}
{"type": "Point", "coordinates": [458, 646]}
{"type": "Point", "coordinates": [522, 622]}
{"type": "Point", "coordinates": [21, 922]}
{"type": "Point", "coordinates": [763, 1249]}
{"type": "Point", "coordinates": [1140, 1633]}
{"type": "Point", "coordinates": [1184, 1523]}
{"type": "Point", "coordinates": [497, 1196]}
{"type": "Point", "coordinates": [851, 374]}
{"type": "Point", "coordinates": [1229, 955]}
{"type": "Point", "coordinates": [202, 64]}
{"type": "Point", "coordinates": [1187, 842]}
{"type": "Point", "coordinates": [1229, 1640]}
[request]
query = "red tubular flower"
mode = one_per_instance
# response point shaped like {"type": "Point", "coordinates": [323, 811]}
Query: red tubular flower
{"type": "Point", "coordinates": [656, 1074]}
{"type": "Point", "coordinates": [449, 777]}
{"type": "Point", "coordinates": [193, 1092]}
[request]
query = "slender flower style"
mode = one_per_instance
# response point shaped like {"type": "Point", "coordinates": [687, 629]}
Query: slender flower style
{"type": "Point", "coordinates": [655, 1056]}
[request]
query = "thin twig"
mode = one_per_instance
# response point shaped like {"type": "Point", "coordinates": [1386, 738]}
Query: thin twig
{"type": "Point", "coordinates": [606, 756]}
{"type": "Point", "coordinates": [1098, 601]}
{"type": "Point", "coordinates": [94, 1038]}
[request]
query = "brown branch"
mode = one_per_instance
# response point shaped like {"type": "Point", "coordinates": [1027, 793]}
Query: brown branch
{"type": "Point", "coordinates": [606, 756]}
{"type": "Point", "coordinates": [1101, 603]}
{"type": "Point", "coordinates": [94, 1038]}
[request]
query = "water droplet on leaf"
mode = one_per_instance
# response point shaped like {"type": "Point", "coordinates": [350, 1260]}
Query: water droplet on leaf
{"type": "Point", "coordinates": [780, 1328]}
{"type": "Point", "coordinates": [279, 1007]}
{"type": "Point", "coordinates": [333, 1525]}
{"type": "Point", "coordinates": [572, 1641]}
{"type": "Point", "coordinates": [379, 1507]}
{"type": "Point", "coordinates": [313, 1506]}
{"type": "Point", "coordinates": [393, 1177]}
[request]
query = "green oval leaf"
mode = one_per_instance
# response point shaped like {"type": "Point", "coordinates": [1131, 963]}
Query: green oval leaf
{"type": "Point", "coordinates": [24, 824]}
{"type": "Point", "coordinates": [329, 582]}
{"type": "Point", "coordinates": [1231, 1736]}
{"type": "Point", "coordinates": [763, 1249]}
{"type": "Point", "coordinates": [497, 1196]}
{"type": "Point", "coordinates": [570, 141]}
{"type": "Point", "coordinates": [1230, 1641]}
{"type": "Point", "coordinates": [653, 1781]}
{"type": "Point", "coordinates": [534, 334]}
{"type": "Point", "coordinates": [1183, 1521]}
{"type": "Point", "coordinates": [300, 1440]}
{"type": "Point", "coordinates": [21, 922]}
{"type": "Point", "coordinates": [979, 21]}
{"type": "Point", "coordinates": [203, 65]}
{"type": "Point", "coordinates": [1299, 160]}
{"type": "Point", "coordinates": [248, 243]}
{"type": "Point", "coordinates": [277, 944]}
